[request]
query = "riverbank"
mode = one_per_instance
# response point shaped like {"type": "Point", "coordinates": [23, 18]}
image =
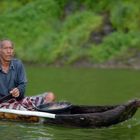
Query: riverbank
{"type": "Point", "coordinates": [131, 63]}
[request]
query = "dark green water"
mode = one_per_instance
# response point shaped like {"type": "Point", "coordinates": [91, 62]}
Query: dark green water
{"type": "Point", "coordinates": [79, 86]}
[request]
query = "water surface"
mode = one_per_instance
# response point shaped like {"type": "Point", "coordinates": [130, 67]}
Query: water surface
{"type": "Point", "coordinates": [79, 86]}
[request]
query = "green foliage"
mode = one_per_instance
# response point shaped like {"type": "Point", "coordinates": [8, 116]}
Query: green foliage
{"type": "Point", "coordinates": [99, 6]}
{"type": "Point", "coordinates": [125, 15]}
{"type": "Point", "coordinates": [28, 24]}
{"type": "Point", "coordinates": [73, 37]}
{"type": "Point", "coordinates": [52, 31]}
{"type": "Point", "coordinates": [8, 6]}
{"type": "Point", "coordinates": [114, 45]}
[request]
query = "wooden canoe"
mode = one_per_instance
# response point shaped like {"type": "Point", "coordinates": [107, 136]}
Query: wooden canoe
{"type": "Point", "coordinates": [84, 116]}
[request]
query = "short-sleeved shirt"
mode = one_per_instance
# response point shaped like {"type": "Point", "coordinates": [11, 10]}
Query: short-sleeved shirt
{"type": "Point", "coordinates": [14, 78]}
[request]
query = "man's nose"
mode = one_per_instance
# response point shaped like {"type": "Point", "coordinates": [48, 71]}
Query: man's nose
{"type": "Point", "coordinates": [9, 50]}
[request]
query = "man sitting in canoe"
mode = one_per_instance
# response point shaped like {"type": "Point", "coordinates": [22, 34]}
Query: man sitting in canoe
{"type": "Point", "coordinates": [13, 81]}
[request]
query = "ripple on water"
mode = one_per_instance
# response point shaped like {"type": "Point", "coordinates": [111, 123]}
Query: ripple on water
{"type": "Point", "coordinates": [127, 130]}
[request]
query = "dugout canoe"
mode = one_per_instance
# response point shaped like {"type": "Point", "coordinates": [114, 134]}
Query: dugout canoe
{"type": "Point", "coordinates": [82, 115]}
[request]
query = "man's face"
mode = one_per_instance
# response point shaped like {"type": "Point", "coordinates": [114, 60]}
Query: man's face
{"type": "Point", "coordinates": [6, 51]}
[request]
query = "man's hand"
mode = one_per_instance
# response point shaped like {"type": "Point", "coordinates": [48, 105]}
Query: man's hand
{"type": "Point", "coordinates": [15, 92]}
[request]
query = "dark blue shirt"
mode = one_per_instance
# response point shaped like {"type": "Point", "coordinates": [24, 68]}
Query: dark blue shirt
{"type": "Point", "coordinates": [14, 78]}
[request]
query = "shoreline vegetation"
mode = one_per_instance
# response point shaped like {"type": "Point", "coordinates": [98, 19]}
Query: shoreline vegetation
{"type": "Point", "coordinates": [81, 33]}
{"type": "Point", "coordinates": [132, 63]}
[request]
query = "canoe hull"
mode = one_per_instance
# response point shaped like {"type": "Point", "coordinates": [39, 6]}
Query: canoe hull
{"type": "Point", "coordinates": [16, 117]}
{"type": "Point", "coordinates": [97, 116]}
{"type": "Point", "coordinates": [84, 116]}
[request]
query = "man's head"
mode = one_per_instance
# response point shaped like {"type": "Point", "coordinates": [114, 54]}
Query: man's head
{"type": "Point", "coordinates": [6, 50]}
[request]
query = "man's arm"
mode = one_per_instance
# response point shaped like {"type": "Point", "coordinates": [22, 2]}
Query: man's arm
{"type": "Point", "coordinates": [22, 81]}
{"type": "Point", "coordinates": [19, 91]}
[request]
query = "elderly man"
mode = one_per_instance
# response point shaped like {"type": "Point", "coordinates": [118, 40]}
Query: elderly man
{"type": "Point", "coordinates": [13, 78]}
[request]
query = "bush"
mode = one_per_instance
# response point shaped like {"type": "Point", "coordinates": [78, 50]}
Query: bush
{"type": "Point", "coordinates": [115, 45]}
{"type": "Point", "coordinates": [28, 24]}
{"type": "Point", "coordinates": [74, 36]}
{"type": "Point", "coordinates": [59, 30]}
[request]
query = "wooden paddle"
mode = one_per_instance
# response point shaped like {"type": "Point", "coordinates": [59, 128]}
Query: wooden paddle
{"type": "Point", "coordinates": [29, 113]}
{"type": "Point", "coordinates": [6, 98]}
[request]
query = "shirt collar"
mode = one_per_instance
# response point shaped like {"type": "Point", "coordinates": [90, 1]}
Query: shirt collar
{"type": "Point", "coordinates": [11, 66]}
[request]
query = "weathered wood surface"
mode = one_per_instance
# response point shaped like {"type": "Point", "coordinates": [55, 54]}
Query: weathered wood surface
{"type": "Point", "coordinates": [85, 116]}
{"type": "Point", "coordinates": [96, 116]}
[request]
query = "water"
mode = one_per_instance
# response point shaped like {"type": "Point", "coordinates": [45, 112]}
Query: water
{"type": "Point", "coordinates": [79, 86]}
{"type": "Point", "coordinates": [22, 131]}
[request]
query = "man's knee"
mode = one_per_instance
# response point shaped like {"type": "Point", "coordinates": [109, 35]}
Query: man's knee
{"type": "Point", "coordinates": [49, 97]}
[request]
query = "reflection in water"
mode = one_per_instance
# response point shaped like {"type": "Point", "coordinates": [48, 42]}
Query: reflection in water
{"type": "Point", "coordinates": [128, 130]}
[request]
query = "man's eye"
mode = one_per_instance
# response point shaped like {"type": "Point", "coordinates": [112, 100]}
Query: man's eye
{"type": "Point", "coordinates": [8, 48]}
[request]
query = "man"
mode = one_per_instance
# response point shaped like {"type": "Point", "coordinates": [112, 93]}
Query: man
{"type": "Point", "coordinates": [12, 74]}
{"type": "Point", "coordinates": [13, 77]}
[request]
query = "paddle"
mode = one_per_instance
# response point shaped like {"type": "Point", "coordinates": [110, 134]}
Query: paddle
{"type": "Point", "coordinates": [29, 113]}
{"type": "Point", "coordinates": [21, 112]}
{"type": "Point", "coordinates": [5, 98]}
{"type": "Point", "coordinates": [43, 110]}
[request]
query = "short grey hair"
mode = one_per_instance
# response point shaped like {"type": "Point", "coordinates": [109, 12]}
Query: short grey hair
{"type": "Point", "coordinates": [3, 40]}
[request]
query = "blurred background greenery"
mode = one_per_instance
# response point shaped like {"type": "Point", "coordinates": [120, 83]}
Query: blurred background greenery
{"type": "Point", "coordinates": [73, 31]}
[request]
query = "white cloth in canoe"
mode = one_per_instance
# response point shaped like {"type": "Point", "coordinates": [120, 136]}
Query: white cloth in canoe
{"type": "Point", "coordinates": [27, 103]}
